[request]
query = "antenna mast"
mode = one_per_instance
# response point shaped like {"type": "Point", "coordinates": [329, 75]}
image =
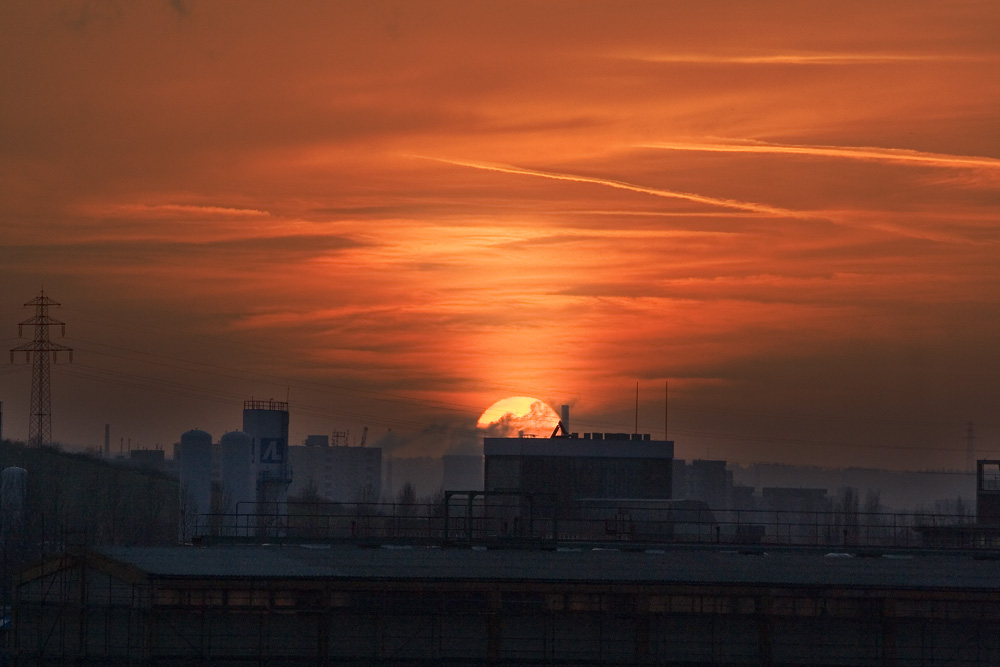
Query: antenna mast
{"type": "Point", "coordinates": [37, 351]}
{"type": "Point", "coordinates": [970, 447]}
{"type": "Point", "coordinates": [636, 408]}
{"type": "Point", "coordinates": [666, 409]}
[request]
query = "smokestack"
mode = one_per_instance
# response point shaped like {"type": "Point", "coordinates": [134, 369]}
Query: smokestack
{"type": "Point", "coordinates": [565, 419]}
{"type": "Point", "coordinates": [107, 441]}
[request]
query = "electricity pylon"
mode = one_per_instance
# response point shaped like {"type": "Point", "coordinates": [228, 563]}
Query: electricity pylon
{"type": "Point", "coordinates": [40, 423]}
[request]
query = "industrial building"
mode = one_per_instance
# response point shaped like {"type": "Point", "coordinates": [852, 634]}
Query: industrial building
{"type": "Point", "coordinates": [195, 476]}
{"type": "Point", "coordinates": [988, 491]}
{"type": "Point", "coordinates": [396, 605]}
{"type": "Point", "coordinates": [462, 471]}
{"type": "Point", "coordinates": [338, 473]}
{"type": "Point", "coordinates": [248, 469]}
{"type": "Point", "coordinates": [571, 468]}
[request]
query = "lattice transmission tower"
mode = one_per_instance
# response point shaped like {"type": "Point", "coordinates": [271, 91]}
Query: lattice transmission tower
{"type": "Point", "coordinates": [38, 351]}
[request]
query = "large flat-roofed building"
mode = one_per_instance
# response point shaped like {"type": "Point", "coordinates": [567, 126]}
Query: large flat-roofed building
{"type": "Point", "coordinates": [338, 473]}
{"type": "Point", "coordinates": [291, 605]}
{"type": "Point", "coordinates": [595, 466]}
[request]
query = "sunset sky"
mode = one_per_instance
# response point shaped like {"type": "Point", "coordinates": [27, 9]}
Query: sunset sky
{"type": "Point", "coordinates": [394, 214]}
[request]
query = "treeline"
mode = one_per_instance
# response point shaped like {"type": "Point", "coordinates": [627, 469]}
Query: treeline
{"type": "Point", "coordinates": [77, 499]}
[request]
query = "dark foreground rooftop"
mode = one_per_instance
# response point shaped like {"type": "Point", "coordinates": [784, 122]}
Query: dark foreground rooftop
{"type": "Point", "coordinates": [408, 606]}
{"type": "Point", "coordinates": [704, 566]}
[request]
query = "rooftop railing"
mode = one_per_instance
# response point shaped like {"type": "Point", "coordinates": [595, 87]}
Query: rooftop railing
{"type": "Point", "coordinates": [508, 520]}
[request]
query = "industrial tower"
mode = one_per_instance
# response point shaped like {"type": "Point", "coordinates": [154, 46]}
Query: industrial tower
{"type": "Point", "coordinates": [266, 422]}
{"type": "Point", "coordinates": [40, 422]}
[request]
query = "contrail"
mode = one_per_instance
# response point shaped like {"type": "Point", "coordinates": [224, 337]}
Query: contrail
{"type": "Point", "coordinates": [900, 155]}
{"type": "Point", "coordinates": [809, 59]}
{"type": "Point", "coordinates": [622, 185]}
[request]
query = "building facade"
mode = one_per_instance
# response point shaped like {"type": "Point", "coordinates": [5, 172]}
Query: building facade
{"type": "Point", "coordinates": [284, 606]}
{"type": "Point", "coordinates": [338, 474]}
{"type": "Point", "coordinates": [569, 469]}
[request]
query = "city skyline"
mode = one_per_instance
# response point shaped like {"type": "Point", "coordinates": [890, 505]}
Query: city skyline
{"type": "Point", "coordinates": [395, 214]}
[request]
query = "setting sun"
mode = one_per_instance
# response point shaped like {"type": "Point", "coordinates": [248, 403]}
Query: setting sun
{"type": "Point", "coordinates": [518, 414]}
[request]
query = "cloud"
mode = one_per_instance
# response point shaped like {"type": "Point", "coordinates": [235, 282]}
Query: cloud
{"type": "Point", "coordinates": [811, 58]}
{"type": "Point", "coordinates": [751, 207]}
{"type": "Point", "coordinates": [159, 255]}
{"type": "Point", "coordinates": [171, 211]}
{"type": "Point", "coordinates": [893, 155]}
{"type": "Point", "coordinates": [430, 440]}
{"type": "Point", "coordinates": [181, 7]}
{"type": "Point", "coordinates": [538, 421]}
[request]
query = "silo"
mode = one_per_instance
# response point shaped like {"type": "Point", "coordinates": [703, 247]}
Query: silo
{"type": "Point", "coordinates": [239, 484]}
{"type": "Point", "coordinates": [266, 422]}
{"type": "Point", "coordinates": [195, 476]}
{"type": "Point", "coordinates": [13, 505]}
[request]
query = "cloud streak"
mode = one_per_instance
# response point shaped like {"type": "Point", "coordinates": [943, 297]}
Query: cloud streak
{"type": "Point", "coordinates": [811, 59]}
{"type": "Point", "coordinates": [172, 211]}
{"type": "Point", "coordinates": [891, 155]}
{"type": "Point", "coordinates": [749, 207]}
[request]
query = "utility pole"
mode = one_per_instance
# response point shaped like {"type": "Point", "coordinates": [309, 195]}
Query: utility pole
{"type": "Point", "coordinates": [37, 351]}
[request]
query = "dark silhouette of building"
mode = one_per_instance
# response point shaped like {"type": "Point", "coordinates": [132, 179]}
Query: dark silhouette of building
{"type": "Point", "coordinates": [147, 458]}
{"type": "Point", "coordinates": [988, 492]}
{"type": "Point", "coordinates": [462, 471]}
{"type": "Point", "coordinates": [288, 605]}
{"type": "Point", "coordinates": [568, 469]}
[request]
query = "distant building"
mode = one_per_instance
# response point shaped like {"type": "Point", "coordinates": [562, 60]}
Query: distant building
{"type": "Point", "coordinates": [266, 423]}
{"type": "Point", "coordinates": [339, 474]}
{"type": "Point", "coordinates": [708, 481]}
{"type": "Point", "coordinates": [194, 454]}
{"type": "Point", "coordinates": [568, 469]}
{"type": "Point", "coordinates": [425, 473]}
{"type": "Point", "coordinates": [782, 499]}
{"type": "Point", "coordinates": [463, 472]}
{"type": "Point", "coordinates": [988, 492]}
{"type": "Point", "coordinates": [146, 458]}
{"type": "Point", "coordinates": [317, 441]}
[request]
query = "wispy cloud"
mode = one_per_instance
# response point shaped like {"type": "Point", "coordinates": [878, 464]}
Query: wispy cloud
{"type": "Point", "coordinates": [171, 210]}
{"type": "Point", "coordinates": [751, 207]}
{"type": "Point", "coordinates": [806, 58]}
{"type": "Point", "coordinates": [896, 155]}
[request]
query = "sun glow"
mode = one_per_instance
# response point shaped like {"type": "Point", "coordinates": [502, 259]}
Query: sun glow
{"type": "Point", "coordinates": [518, 414]}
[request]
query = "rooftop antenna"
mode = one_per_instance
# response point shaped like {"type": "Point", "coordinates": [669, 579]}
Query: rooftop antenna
{"type": "Point", "coordinates": [636, 408]}
{"type": "Point", "coordinates": [37, 351]}
{"type": "Point", "coordinates": [970, 447]}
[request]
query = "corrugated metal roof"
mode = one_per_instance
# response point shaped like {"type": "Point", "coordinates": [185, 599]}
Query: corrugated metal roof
{"type": "Point", "coordinates": [668, 566]}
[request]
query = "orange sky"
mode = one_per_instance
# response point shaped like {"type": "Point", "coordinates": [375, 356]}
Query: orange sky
{"type": "Point", "coordinates": [396, 213]}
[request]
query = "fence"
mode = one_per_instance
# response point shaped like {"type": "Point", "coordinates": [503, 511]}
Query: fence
{"type": "Point", "coordinates": [512, 518]}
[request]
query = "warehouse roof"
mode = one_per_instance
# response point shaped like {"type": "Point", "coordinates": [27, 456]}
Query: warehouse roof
{"type": "Point", "coordinates": [722, 566]}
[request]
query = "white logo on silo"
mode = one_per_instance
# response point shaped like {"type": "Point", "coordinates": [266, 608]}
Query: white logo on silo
{"type": "Point", "coordinates": [272, 450]}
